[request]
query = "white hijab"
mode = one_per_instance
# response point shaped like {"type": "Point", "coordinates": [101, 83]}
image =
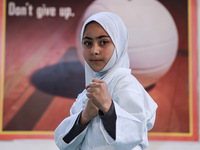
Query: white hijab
{"type": "Point", "coordinates": [116, 29]}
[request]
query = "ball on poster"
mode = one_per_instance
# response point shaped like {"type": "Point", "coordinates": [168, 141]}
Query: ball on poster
{"type": "Point", "coordinates": [153, 37]}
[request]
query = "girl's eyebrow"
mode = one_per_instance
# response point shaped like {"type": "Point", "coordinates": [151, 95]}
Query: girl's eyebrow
{"type": "Point", "coordinates": [102, 36]}
{"type": "Point", "coordinates": [86, 37]}
{"type": "Point", "coordinates": [99, 37]}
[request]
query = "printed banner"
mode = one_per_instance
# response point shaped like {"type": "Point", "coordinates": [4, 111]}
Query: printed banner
{"type": "Point", "coordinates": [42, 70]}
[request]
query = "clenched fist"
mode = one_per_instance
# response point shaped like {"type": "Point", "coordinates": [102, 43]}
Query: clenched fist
{"type": "Point", "coordinates": [97, 91]}
{"type": "Point", "coordinates": [98, 99]}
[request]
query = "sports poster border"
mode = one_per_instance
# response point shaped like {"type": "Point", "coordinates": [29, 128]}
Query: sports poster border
{"type": "Point", "coordinates": [192, 135]}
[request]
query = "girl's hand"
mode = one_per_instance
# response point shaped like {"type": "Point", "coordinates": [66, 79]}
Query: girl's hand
{"type": "Point", "coordinates": [98, 93]}
{"type": "Point", "coordinates": [88, 113]}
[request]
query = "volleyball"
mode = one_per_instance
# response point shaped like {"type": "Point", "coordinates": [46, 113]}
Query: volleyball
{"type": "Point", "coordinates": [153, 36]}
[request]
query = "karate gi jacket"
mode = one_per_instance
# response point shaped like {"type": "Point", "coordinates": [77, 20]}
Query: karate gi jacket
{"type": "Point", "coordinates": [135, 111]}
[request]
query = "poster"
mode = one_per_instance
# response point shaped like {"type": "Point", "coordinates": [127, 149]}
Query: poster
{"type": "Point", "coordinates": [42, 72]}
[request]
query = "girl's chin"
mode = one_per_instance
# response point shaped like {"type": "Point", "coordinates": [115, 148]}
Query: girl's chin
{"type": "Point", "coordinates": [96, 69]}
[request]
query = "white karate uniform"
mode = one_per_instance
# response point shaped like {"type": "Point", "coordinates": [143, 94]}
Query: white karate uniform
{"type": "Point", "coordinates": [134, 108]}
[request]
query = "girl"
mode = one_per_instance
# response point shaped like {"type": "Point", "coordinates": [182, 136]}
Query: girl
{"type": "Point", "coordinates": [114, 112]}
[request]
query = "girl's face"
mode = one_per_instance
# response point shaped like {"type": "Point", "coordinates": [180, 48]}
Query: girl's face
{"type": "Point", "coordinates": [97, 46]}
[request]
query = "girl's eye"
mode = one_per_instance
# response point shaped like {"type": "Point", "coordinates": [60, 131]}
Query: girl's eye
{"type": "Point", "coordinates": [87, 43]}
{"type": "Point", "coordinates": [103, 42]}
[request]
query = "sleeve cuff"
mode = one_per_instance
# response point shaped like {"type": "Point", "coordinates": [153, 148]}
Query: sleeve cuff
{"type": "Point", "coordinates": [109, 120]}
{"type": "Point", "coordinates": [76, 130]}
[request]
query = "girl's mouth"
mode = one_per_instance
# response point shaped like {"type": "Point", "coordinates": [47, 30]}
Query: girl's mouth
{"type": "Point", "coordinates": [96, 60]}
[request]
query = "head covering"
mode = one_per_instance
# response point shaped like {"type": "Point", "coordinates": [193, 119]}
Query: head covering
{"type": "Point", "coordinates": [116, 29]}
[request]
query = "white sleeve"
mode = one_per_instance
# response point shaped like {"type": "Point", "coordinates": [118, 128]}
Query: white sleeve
{"type": "Point", "coordinates": [65, 126]}
{"type": "Point", "coordinates": [129, 129]}
{"type": "Point", "coordinates": [135, 112]}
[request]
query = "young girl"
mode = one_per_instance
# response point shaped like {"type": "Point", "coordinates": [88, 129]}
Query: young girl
{"type": "Point", "coordinates": [114, 112]}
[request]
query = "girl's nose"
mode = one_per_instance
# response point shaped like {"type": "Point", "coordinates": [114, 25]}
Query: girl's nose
{"type": "Point", "coordinates": [95, 50]}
